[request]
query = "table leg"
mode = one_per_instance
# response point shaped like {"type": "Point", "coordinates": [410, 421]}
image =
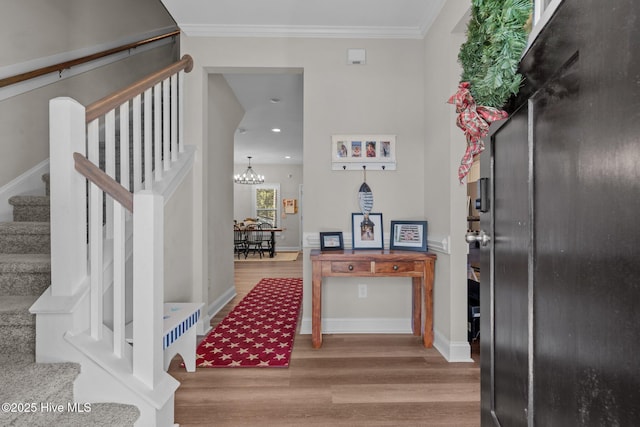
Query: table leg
{"type": "Point", "coordinates": [416, 309]}
{"type": "Point", "coordinates": [316, 306]}
{"type": "Point", "coordinates": [272, 249]}
{"type": "Point", "coordinates": [427, 334]}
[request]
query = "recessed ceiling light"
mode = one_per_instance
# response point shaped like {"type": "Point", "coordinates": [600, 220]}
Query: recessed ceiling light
{"type": "Point", "coordinates": [287, 157]}
{"type": "Point", "coordinates": [274, 100]}
{"type": "Point", "coordinates": [276, 130]}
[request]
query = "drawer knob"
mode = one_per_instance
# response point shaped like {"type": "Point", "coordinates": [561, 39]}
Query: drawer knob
{"type": "Point", "coordinates": [350, 267]}
{"type": "Point", "coordinates": [395, 268]}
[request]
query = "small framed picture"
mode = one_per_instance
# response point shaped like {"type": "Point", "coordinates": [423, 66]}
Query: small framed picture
{"type": "Point", "coordinates": [331, 241]}
{"type": "Point", "coordinates": [366, 231]}
{"type": "Point", "coordinates": [409, 235]}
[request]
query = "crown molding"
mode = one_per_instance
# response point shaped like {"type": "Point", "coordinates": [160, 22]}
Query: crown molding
{"type": "Point", "coordinates": [198, 30]}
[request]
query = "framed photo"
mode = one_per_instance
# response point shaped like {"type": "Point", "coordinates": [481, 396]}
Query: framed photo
{"type": "Point", "coordinates": [352, 152]}
{"type": "Point", "coordinates": [409, 235]}
{"type": "Point", "coordinates": [366, 231]}
{"type": "Point", "coordinates": [331, 241]}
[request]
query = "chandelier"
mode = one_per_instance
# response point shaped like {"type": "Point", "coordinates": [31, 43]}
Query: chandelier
{"type": "Point", "coordinates": [249, 176]}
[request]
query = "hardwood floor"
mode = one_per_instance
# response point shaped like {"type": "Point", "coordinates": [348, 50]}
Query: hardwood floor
{"type": "Point", "coordinates": [353, 380]}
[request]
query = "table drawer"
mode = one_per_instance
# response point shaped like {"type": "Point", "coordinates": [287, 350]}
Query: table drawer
{"type": "Point", "coordinates": [351, 267]}
{"type": "Point", "coordinates": [395, 267]}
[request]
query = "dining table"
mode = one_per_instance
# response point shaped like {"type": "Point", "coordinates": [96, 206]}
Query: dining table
{"type": "Point", "coordinates": [272, 230]}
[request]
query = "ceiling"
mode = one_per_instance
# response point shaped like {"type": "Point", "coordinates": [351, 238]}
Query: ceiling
{"type": "Point", "coordinates": [291, 18]}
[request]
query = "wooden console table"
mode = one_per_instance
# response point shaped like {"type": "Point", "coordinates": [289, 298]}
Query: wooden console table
{"type": "Point", "coordinates": [376, 263]}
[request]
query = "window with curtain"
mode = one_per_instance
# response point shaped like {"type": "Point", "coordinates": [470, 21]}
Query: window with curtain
{"type": "Point", "coordinates": [265, 202]}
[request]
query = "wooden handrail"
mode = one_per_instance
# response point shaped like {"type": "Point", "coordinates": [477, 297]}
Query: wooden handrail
{"type": "Point", "coordinates": [103, 181]}
{"type": "Point", "coordinates": [112, 101]}
{"type": "Point", "coordinates": [72, 63]}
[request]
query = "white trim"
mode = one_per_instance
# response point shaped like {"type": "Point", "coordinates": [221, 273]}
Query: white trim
{"type": "Point", "coordinates": [542, 18]}
{"type": "Point", "coordinates": [267, 186]}
{"type": "Point", "coordinates": [29, 183]}
{"type": "Point", "coordinates": [307, 31]}
{"type": "Point", "coordinates": [38, 82]}
{"type": "Point", "coordinates": [214, 308]}
{"type": "Point", "coordinates": [360, 325]}
{"type": "Point", "coordinates": [453, 351]}
{"type": "Point", "coordinates": [173, 177]}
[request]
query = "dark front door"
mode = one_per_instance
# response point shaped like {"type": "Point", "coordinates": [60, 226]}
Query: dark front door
{"type": "Point", "coordinates": [505, 299]}
{"type": "Point", "coordinates": [560, 311]}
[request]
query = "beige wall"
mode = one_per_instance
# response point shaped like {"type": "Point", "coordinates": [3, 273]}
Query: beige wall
{"type": "Point", "coordinates": [34, 30]}
{"type": "Point", "coordinates": [402, 90]}
{"type": "Point", "coordinates": [224, 113]}
{"type": "Point", "coordinates": [289, 177]}
{"type": "Point", "coordinates": [384, 96]}
{"type": "Point", "coordinates": [445, 203]}
{"type": "Point", "coordinates": [178, 243]}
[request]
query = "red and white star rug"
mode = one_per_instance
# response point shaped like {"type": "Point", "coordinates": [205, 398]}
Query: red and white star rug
{"type": "Point", "coordinates": [259, 331]}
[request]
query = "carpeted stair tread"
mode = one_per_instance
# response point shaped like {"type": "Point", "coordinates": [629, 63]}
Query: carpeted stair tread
{"type": "Point", "coordinates": [25, 237]}
{"type": "Point", "coordinates": [102, 415]}
{"type": "Point", "coordinates": [30, 208]}
{"type": "Point", "coordinates": [38, 383]}
{"type": "Point", "coordinates": [14, 310]}
{"type": "Point", "coordinates": [53, 383]}
{"type": "Point", "coordinates": [25, 227]}
{"type": "Point", "coordinates": [25, 263]}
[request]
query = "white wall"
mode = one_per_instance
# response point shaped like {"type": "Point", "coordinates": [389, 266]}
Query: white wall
{"type": "Point", "coordinates": [36, 29]}
{"type": "Point", "coordinates": [445, 203]}
{"type": "Point", "coordinates": [178, 243]}
{"type": "Point", "coordinates": [223, 113]}
{"type": "Point", "coordinates": [289, 177]}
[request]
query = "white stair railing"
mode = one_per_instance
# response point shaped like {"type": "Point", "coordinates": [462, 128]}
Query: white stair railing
{"type": "Point", "coordinates": [118, 182]}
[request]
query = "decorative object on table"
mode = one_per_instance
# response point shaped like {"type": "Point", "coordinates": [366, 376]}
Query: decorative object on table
{"type": "Point", "coordinates": [496, 38]}
{"type": "Point", "coordinates": [365, 196]}
{"type": "Point", "coordinates": [366, 231]}
{"type": "Point", "coordinates": [331, 241]}
{"type": "Point", "coordinates": [409, 235]}
{"type": "Point", "coordinates": [259, 331]}
{"type": "Point", "coordinates": [249, 176]}
{"type": "Point", "coordinates": [355, 152]}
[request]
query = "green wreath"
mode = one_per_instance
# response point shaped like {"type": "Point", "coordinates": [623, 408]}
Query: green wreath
{"type": "Point", "coordinates": [496, 38]}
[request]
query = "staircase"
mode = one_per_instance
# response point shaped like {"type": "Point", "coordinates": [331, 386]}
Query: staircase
{"type": "Point", "coordinates": [42, 392]}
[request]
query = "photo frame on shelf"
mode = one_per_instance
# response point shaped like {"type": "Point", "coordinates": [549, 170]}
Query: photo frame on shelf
{"type": "Point", "coordinates": [331, 241]}
{"type": "Point", "coordinates": [408, 236]}
{"type": "Point", "coordinates": [352, 152]}
{"type": "Point", "coordinates": [366, 231]}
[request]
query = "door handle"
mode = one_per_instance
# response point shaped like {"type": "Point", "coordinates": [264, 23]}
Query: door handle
{"type": "Point", "coordinates": [477, 236]}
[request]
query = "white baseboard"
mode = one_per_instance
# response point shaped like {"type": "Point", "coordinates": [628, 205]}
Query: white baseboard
{"type": "Point", "coordinates": [213, 309]}
{"type": "Point", "coordinates": [360, 326]}
{"type": "Point", "coordinates": [29, 183]}
{"type": "Point", "coordinates": [453, 351]}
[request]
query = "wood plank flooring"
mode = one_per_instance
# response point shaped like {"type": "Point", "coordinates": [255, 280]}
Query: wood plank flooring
{"type": "Point", "coordinates": [353, 380]}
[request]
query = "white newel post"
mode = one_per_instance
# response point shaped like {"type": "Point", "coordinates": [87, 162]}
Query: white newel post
{"type": "Point", "coordinates": [148, 290]}
{"type": "Point", "coordinates": [68, 196]}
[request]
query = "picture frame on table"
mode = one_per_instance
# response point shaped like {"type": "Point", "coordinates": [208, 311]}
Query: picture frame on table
{"type": "Point", "coordinates": [366, 231]}
{"type": "Point", "coordinates": [331, 241]}
{"type": "Point", "coordinates": [408, 236]}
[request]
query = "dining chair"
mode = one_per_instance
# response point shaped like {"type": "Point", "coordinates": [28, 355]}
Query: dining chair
{"type": "Point", "coordinates": [240, 244]}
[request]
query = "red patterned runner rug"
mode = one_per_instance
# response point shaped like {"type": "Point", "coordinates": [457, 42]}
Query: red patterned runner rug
{"type": "Point", "coordinates": [259, 331]}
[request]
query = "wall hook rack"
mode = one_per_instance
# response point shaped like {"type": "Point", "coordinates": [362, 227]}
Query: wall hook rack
{"type": "Point", "coordinates": [360, 152]}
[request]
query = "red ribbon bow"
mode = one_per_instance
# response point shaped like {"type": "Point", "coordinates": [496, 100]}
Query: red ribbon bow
{"type": "Point", "coordinates": [474, 121]}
